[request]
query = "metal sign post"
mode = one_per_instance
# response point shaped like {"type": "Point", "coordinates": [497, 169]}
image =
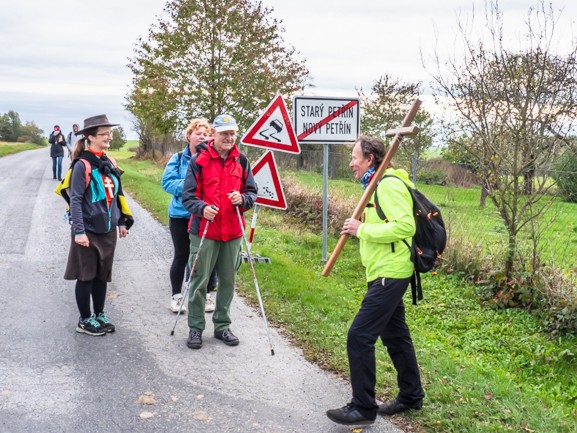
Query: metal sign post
{"type": "Point", "coordinates": [325, 199]}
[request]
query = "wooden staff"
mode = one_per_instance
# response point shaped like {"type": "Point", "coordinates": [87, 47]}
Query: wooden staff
{"type": "Point", "coordinates": [393, 146]}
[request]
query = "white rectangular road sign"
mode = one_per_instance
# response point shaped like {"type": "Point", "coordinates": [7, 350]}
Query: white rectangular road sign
{"type": "Point", "coordinates": [326, 120]}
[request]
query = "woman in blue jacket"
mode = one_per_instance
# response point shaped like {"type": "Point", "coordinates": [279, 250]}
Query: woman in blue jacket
{"type": "Point", "coordinates": [172, 182]}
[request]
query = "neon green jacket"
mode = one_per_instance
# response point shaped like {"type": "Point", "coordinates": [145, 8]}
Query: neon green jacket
{"type": "Point", "coordinates": [376, 235]}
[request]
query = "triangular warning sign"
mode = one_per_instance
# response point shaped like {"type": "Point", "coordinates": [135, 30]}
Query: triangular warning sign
{"type": "Point", "coordinates": [273, 130]}
{"type": "Point", "coordinates": [270, 192]}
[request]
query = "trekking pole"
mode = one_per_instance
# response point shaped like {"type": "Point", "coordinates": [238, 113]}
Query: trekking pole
{"type": "Point", "coordinates": [190, 275]}
{"type": "Point", "coordinates": [255, 280]}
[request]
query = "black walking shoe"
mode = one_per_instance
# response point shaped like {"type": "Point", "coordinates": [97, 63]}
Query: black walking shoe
{"type": "Point", "coordinates": [227, 337]}
{"type": "Point", "coordinates": [102, 318]}
{"type": "Point", "coordinates": [395, 406]}
{"type": "Point", "coordinates": [349, 415]}
{"type": "Point", "coordinates": [194, 340]}
{"type": "Point", "coordinates": [90, 326]}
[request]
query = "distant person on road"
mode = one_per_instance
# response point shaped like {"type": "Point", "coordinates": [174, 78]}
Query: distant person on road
{"type": "Point", "coordinates": [388, 272]}
{"type": "Point", "coordinates": [172, 182]}
{"type": "Point", "coordinates": [219, 181]}
{"type": "Point", "coordinates": [72, 138]}
{"type": "Point", "coordinates": [57, 145]}
{"type": "Point", "coordinates": [98, 214]}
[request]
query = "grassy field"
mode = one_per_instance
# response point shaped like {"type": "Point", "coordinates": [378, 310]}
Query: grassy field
{"type": "Point", "coordinates": [10, 148]}
{"type": "Point", "coordinates": [481, 226]}
{"type": "Point", "coordinates": [484, 370]}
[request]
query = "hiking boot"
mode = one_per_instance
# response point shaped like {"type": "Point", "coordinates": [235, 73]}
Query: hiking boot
{"type": "Point", "coordinates": [90, 326]}
{"type": "Point", "coordinates": [194, 340]}
{"type": "Point", "coordinates": [177, 303]}
{"type": "Point", "coordinates": [227, 337]}
{"type": "Point", "coordinates": [209, 305]}
{"type": "Point", "coordinates": [395, 406]}
{"type": "Point", "coordinates": [102, 318]}
{"type": "Point", "coordinates": [349, 415]}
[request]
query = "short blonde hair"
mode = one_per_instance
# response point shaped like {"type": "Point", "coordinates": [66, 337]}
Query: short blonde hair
{"type": "Point", "coordinates": [194, 125]}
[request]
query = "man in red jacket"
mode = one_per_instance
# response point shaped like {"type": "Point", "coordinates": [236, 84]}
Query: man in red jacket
{"type": "Point", "coordinates": [219, 179]}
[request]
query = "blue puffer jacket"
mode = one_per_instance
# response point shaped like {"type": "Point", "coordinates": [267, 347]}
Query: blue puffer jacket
{"type": "Point", "coordinates": [173, 181]}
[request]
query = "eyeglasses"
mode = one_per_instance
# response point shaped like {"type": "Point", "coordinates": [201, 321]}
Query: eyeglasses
{"type": "Point", "coordinates": [109, 133]}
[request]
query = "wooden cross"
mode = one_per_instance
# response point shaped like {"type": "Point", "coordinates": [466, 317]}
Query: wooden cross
{"type": "Point", "coordinates": [403, 131]}
{"type": "Point", "coordinates": [397, 135]}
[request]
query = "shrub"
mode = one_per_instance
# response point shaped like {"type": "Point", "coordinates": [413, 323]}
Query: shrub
{"type": "Point", "coordinates": [463, 257]}
{"type": "Point", "coordinates": [305, 206]}
{"type": "Point", "coordinates": [118, 139]}
{"type": "Point", "coordinates": [565, 174]}
{"type": "Point", "coordinates": [433, 177]}
{"type": "Point", "coordinates": [440, 172]}
{"type": "Point", "coordinates": [557, 300]}
{"type": "Point", "coordinates": [40, 141]}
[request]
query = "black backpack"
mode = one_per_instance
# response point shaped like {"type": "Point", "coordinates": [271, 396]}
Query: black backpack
{"type": "Point", "coordinates": [429, 240]}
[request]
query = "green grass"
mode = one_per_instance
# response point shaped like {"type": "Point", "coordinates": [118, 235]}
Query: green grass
{"type": "Point", "coordinates": [484, 370]}
{"type": "Point", "coordinates": [142, 181]}
{"type": "Point", "coordinates": [10, 148]}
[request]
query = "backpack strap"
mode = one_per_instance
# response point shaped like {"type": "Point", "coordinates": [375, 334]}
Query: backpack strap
{"type": "Point", "coordinates": [380, 212]}
{"type": "Point", "coordinates": [243, 160]}
{"type": "Point", "coordinates": [378, 208]}
{"type": "Point", "coordinates": [87, 172]}
{"type": "Point", "coordinates": [179, 159]}
{"type": "Point", "coordinates": [416, 287]}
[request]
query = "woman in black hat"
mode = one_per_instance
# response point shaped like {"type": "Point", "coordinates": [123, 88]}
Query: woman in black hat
{"type": "Point", "coordinates": [98, 214]}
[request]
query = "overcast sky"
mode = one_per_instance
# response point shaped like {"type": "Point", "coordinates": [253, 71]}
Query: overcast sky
{"type": "Point", "coordinates": [64, 60]}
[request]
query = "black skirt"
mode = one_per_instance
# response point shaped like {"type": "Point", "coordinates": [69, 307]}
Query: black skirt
{"type": "Point", "coordinates": [94, 261]}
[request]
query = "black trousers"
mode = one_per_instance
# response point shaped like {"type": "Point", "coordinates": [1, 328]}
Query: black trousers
{"type": "Point", "coordinates": [179, 233]}
{"type": "Point", "coordinates": [382, 314]}
{"type": "Point", "coordinates": [181, 242]}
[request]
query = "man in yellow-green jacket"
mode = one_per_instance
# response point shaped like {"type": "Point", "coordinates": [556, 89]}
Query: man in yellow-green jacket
{"type": "Point", "coordinates": [389, 268]}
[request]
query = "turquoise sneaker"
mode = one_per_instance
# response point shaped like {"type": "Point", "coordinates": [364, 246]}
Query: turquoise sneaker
{"type": "Point", "coordinates": [90, 326]}
{"type": "Point", "coordinates": [108, 327]}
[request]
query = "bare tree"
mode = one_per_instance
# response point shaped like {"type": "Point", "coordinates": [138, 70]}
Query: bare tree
{"type": "Point", "coordinates": [384, 107]}
{"type": "Point", "coordinates": [516, 108]}
{"type": "Point", "coordinates": [207, 58]}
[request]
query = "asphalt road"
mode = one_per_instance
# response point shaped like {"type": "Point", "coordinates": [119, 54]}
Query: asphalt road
{"type": "Point", "coordinates": [139, 379]}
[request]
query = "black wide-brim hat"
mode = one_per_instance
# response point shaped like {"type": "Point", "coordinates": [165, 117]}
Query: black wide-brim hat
{"type": "Point", "coordinates": [95, 122]}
